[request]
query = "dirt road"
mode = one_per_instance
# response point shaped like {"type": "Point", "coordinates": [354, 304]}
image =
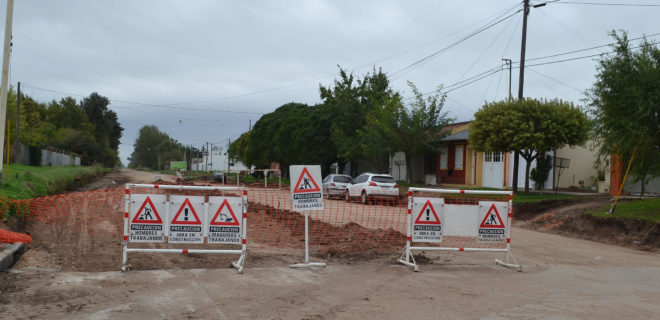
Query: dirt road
{"type": "Point", "coordinates": [562, 278]}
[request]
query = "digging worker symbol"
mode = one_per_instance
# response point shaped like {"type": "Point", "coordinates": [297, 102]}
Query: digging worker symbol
{"type": "Point", "coordinates": [147, 214]}
{"type": "Point", "coordinates": [305, 185]}
{"type": "Point", "coordinates": [491, 219]}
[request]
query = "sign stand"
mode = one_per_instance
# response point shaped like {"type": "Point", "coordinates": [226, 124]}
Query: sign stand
{"type": "Point", "coordinates": [307, 263]}
{"type": "Point", "coordinates": [306, 195]}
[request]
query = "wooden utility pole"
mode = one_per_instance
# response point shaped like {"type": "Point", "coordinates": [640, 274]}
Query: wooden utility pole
{"type": "Point", "coordinates": [5, 77]}
{"type": "Point", "coordinates": [521, 81]}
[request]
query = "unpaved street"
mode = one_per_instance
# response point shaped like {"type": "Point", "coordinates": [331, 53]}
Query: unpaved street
{"type": "Point", "coordinates": [562, 278]}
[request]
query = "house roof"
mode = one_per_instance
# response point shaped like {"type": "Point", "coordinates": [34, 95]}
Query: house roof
{"type": "Point", "coordinates": [458, 136]}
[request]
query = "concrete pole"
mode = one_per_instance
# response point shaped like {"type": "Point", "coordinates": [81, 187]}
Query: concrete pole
{"type": "Point", "coordinates": [5, 77]}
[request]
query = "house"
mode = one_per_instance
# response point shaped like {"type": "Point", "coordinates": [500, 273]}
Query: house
{"type": "Point", "coordinates": [458, 164]}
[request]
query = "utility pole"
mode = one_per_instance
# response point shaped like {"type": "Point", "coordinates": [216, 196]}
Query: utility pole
{"type": "Point", "coordinates": [5, 78]}
{"type": "Point", "coordinates": [521, 81]}
{"type": "Point", "coordinates": [18, 124]}
{"type": "Point", "coordinates": [508, 62]}
{"type": "Point", "coordinates": [207, 157]}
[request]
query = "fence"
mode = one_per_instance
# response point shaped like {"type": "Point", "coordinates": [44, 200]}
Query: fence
{"type": "Point", "coordinates": [48, 157]}
{"type": "Point", "coordinates": [459, 220]}
{"type": "Point", "coordinates": [86, 230]}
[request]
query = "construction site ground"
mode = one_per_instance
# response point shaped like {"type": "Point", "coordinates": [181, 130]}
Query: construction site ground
{"type": "Point", "coordinates": [614, 275]}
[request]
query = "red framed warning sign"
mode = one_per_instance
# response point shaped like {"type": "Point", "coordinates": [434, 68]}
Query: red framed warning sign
{"type": "Point", "coordinates": [306, 194]}
{"type": "Point", "coordinates": [147, 214]}
{"type": "Point", "coordinates": [428, 218]}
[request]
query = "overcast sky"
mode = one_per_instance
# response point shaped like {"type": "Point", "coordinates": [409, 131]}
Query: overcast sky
{"type": "Point", "coordinates": [202, 70]}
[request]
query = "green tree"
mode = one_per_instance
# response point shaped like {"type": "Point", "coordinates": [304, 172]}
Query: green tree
{"type": "Point", "coordinates": [293, 134]}
{"type": "Point", "coordinates": [238, 149]}
{"type": "Point", "coordinates": [153, 149]}
{"type": "Point", "coordinates": [421, 125]}
{"type": "Point", "coordinates": [542, 171]}
{"type": "Point", "coordinates": [360, 126]}
{"type": "Point", "coordinates": [107, 130]}
{"type": "Point", "coordinates": [625, 105]}
{"type": "Point", "coordinates": [531, 127]}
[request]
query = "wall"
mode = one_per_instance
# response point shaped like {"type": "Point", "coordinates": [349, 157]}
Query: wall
{"type": "Point", "coordinates": [48, 158]}
{"type": "Point", "coordinates": [580, 168]}
{"type": "Point", "coordinates": [51, 158]}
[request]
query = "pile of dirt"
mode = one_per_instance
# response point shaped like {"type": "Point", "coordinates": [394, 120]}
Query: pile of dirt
{"type": "Point", "coordinates": [623, 231]}
{"type": "Point", "coordinates": [570, 217]}
{"type": "Point", "coordinates": [284, 228]}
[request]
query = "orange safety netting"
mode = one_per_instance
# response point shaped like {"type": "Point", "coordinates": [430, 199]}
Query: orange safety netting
{"type": "Point", "coordinates": [14, 237]}
{"type": "Point", "coordinates": [95, 218]}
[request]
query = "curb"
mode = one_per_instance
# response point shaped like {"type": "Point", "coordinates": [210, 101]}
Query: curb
{"type": "Point", "coordinates": [10, 254]}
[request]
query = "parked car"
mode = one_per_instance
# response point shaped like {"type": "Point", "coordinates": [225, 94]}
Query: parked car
{"type": "Point", "coordinates": [219, 176]}
{"type": "Point", "coordinates": [334, 185]}
{"type": "Point", "coordinates": [369, 186]}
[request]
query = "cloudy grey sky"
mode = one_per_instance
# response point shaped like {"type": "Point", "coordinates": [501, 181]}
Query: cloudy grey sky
{"type": "Point", "coordinates": [217, 65]}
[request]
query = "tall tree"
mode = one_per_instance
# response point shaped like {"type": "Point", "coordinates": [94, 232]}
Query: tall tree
{"type": "Point", "coordinates": [421, 125]}
{"type": "Point", "coordinates": [355, 105]}
{"type": "Point", "coordinates": [531, 127]}
{"type": "Point", "coordinates": [238, 148]}
{"type": "Point", "coordinates": [107, 129]}
{"type": "Point", "coordinates": [625, 105]}
{"type": "Point", "coordinates": [293, 134]}
{"type": "Point", "coordinates": [153, 149]}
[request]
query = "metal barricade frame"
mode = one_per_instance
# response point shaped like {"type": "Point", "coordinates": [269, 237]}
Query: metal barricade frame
{"type": "Point", "coordinates": [407, 256]}
{"type": "Point", "coordinates": [243, 251]}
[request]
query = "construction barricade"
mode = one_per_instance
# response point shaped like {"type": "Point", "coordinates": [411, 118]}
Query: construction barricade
{"type": "Point", "coordinates": [459, 220]}
{"type": "Point", "coordinates": [189, 215]}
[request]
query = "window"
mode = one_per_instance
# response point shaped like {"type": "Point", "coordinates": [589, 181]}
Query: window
{"type": "Point", "coordinates": [458, 163]}
{"type": "Point", "coordinates": [443, 158]}
{"type": "Point", "coordinates": [493, 157]}
{"type": "Point", "coordinates": [382, 179]}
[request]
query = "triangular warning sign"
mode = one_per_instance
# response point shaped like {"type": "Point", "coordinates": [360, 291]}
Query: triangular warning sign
{"type": "Point", "coordinates": [147, 213]}
{"type": "Point", "coordinates": [428, 215]}
{"type": "Point", "coordinates": [492, 219]}
{"type": "Point", "coordinates": [224, 219]}
{"type": "Point", "coordinates": [189, 215]}
{"type": "Point", "coordinates": [306, 183]}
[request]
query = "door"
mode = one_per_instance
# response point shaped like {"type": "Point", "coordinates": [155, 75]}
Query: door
{"type": "Point", "coordinates": [493, 175]}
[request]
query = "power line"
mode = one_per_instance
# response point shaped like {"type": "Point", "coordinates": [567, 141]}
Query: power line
{"type": "Point", "coordinates": [146, 105]}
{"type": "Point", "coordinates": [609, 4]}
{"type": "Point", "coordinates": [585, 49]}
{"type": "Point", "coordinates": [434, 54]}
{"type": "Point", "coordinates": [555, 80]}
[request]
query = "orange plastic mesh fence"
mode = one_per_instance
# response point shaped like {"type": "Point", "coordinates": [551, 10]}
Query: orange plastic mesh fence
{"type": "Point", "coordinates": [455, 202]}
{"type": "Point", "coordinates": [14, 237]}
{"type": "Point", "coordinates": [341, 228]}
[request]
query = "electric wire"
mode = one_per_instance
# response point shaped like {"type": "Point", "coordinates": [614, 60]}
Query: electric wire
{"type": "Point", "coordinates": [609, 4]}
{"type": "Point", "coordinates": [397, 73]}
{"type": "Point", "coordinates": [555, 80]}
{"type": "Point", "coordinates": [568, 29]}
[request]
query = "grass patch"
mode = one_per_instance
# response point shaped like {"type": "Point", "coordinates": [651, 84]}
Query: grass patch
{"type": "Point", "coordinates": [643, 209]}
{"type": "Point", "coordinates": [27, 182]}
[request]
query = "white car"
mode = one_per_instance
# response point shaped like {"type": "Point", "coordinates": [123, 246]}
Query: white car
{"type": "Point", "coordinates": [335, 185]}
{"type": "Point", "coordinates": [368, 186]}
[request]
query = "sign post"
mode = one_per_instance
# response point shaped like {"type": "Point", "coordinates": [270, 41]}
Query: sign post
{"type": "Point", "coordinates": [306, 195]}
